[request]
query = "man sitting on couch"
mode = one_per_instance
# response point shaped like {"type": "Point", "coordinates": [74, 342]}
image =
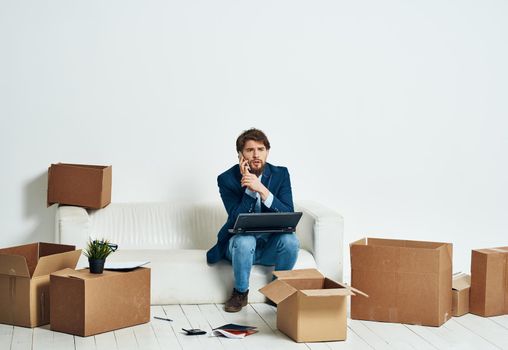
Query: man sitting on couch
{"type": "Point", "coordinates": [253, 186]}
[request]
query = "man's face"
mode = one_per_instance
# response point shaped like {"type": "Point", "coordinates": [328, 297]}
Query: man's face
{"type": "Point", "coordinates": [255, 153]}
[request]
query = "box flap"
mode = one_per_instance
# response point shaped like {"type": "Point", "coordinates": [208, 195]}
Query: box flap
{"type": "Point", "coordinates": [13, 265]}
{"type": "Point", "coordinates": [277, 291]}
{"type": "Point", "coordinates": [498, 250]}
{"type": "Point", "coordinates": [362, 241]}
{"type": "Point", "coordinates": [64, 272]}
{"type": "Point", "coordinates": [331, 284]}
{"type": "Point", "coordinates": [55, 262]}
{"type": "Point", "coordinates": [29, 251]}
{"type": "Point", "coordinates": [357, 291]}
{"type": "Point", "coordinates": [327, 292]}
{"type": "Point", "coordinates": [502, 250]}
{"type": "Point", "coordinates": [83, 274]}
{"type": "Point", "coordinates": [298, 274]}
{"type": "Point", "coordinates": [403, 243]}
{"type": "Point", "coordinates": [461, 282]}
{"type": "Point", "coordinates": [53, 248]}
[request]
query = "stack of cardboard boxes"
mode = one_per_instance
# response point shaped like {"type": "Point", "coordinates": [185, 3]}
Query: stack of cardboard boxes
{"type": "Point", "coordinates": [39, 283]}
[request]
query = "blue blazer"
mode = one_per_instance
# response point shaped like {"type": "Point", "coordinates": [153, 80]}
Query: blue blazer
{"type": "Point", "coordinates": [236, 201]}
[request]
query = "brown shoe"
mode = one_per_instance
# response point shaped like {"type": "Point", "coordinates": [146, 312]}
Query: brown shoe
{"type": "Point", "coordinates": [237, 301]}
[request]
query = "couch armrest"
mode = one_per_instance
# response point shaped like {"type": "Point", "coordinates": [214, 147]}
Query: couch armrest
{"type": "Point", "coordinates": [72, 226]}
{"type": "Point", "coordinates": [327, 238]}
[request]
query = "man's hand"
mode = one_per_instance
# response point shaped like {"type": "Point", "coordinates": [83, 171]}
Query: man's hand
{"type": "Point", "coordinates": [244, 165]}
{"type": "Point", "coordinates": [253, 183]}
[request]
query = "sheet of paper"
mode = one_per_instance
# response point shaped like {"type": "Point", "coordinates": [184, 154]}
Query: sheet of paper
{"type": "Point", "coordinates": [219, 332]}
{"type": "Point", "coordinates": [123, 265]}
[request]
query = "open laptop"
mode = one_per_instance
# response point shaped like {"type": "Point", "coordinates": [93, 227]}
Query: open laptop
{"type": "Point", "coordinates": [266, 222]}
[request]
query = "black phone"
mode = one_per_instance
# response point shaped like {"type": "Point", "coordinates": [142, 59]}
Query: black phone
{"type": "Point", "coordinates": [240, 157]}
{"type": "Point", "coordinates": [194, 331]}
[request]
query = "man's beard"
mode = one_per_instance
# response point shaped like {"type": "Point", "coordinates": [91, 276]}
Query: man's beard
{"type": "Point", "coordinates": [259, 171]}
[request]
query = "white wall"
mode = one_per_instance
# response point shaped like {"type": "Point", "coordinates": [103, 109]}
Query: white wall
{"type": "Point", "coordinates": [391, 112]}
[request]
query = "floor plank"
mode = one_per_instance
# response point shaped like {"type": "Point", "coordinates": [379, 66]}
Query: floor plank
{"type": "Point", "coordinates": [353, 342]}
{"type": "Point", "coordinates": [318, 346]}
{"type": "Point", "coordinates": [367, 335]}
{"type": "Point", "coordinates": [42, 338]}
{"type": "Point", "coordinates": [175, 313]}
{"type": "Point", "coordinates": [125, 339]}
{"type": "Point", "coordinates": [106, 341]}
{"type": "Point", "coordinates": [485, 328]}
{"type": "Point", "coordinates": [145, 337]}
{"type": "Point", "coordinates": [6, 336]}
{"type": "Point", "coordinates": [62, 341]}
{"type": "Point", "coordinates": [215, 319]}
{"type": "Point", "coordinates": [462, 338]}
{"type": "Point", "coordinates": [501, 320]}
{"type": "Point", "coordinates": [398, 336]}
{"type": "Point", "coordinates": [84, 343]}
{"type": "Point", "coordinates": [22, 338]}
{"type": "Point", "coordinates": [268, 313]}
{"type": "Point", "coordinates": [197, 320]}
{"type": "Point", "coordinates": [163, 331]}
{"type": "Point", "coordinates": [439, 337]}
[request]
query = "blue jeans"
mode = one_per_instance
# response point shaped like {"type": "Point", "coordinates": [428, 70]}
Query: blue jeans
{"type": "Point", "coordinates": [270, 249]}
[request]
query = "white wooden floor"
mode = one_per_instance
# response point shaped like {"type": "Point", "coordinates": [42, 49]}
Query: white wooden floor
{"type": "Point", "coordinates": [466, 332]}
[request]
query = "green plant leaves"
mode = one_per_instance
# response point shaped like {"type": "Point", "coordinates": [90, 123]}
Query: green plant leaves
{"type": "Point", "coordinates": [97, 249]}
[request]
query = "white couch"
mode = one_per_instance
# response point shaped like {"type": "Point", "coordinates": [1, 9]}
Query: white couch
{"type": "Point", "coordinates": [175, 238]}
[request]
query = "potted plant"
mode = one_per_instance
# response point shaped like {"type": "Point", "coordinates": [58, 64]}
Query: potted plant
{"type": "Point", "coordinates": [97, 251]}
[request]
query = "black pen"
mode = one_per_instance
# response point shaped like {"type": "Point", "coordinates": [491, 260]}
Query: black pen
{"type": "Point", "coordinates": [162, 318]}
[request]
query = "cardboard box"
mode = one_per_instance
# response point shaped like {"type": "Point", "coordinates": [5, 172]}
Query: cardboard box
{"type": "Point", "coordinates": [310, 307]}
{"type": "Point", "coordinates": [407, 281]}
{"type": "Point", "coordinates": [461, 284]}
{"type": "Point", "coordinates": [86, 304]}
{"type": "Point", "coordinates": [86, 186]}
{"type": "Point", "coordinates": [489, 282]}
{"type": "Point", "coordinates": [24, 280]}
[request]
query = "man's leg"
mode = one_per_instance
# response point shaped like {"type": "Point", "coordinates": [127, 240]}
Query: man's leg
{"type": "Point", "coordinates": [241, 254]}
{"type": "Point", "coordinates": [281, 250]}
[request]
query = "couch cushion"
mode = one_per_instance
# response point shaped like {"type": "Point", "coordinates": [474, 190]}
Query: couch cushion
{"type": "Point", "coordinates": [182, 276]}
{"type": "Point", "coordinates": [159, 225]}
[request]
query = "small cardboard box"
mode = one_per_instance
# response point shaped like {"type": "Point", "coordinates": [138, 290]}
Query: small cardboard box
{"type": "Point", "coordinates": [85, 304]}
{"type": "Point", "coordinates": [310, 307]}
{"type": "Point", "coordinates": [82, 185]}
{"type": "Point", "coordinates": [461, 284]}
{"type": "Point", "coordinates": [24, 280]}
{"type": "Point", "coordinates": [489, 282]}
{"type": "Point", "coordinates": [407, 281]}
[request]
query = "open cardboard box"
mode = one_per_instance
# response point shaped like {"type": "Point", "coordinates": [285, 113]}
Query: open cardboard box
{"type": "Point", "coordinates": [24, 280]}
{"type": "Point", "coordinates": [489, 282]}
{"type": "Point", "coordinates": [310, 307]}
{"type": "Point", "coordinates": [407, 281]}
{"type": "Point", "coordinates": [82, 185]}
{"type": "Point", "coordinates": [86, 304]}
{"type": "Point", "coordinates": [461, 284]}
